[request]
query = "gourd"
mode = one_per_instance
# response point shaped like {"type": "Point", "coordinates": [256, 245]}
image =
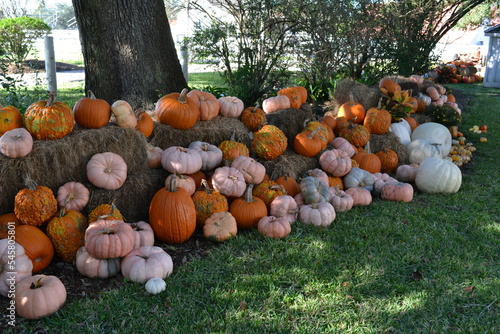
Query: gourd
{"type": "Point", "coordinates": [267, 191]}
{"type": "Point", "coordinates": [146, 262]}
{"type": "Point", "coordinates": [317, 214]}
{"type": "Point", "coordinates": [91, 112]}
{"type": "Point", "coordinates": [177, 110]}
{"type": "Point", "coordinates": [220, 226]}
{"type": "Point", "coordinates": [107, 170]}
{"type": "Point", "coordinates": [388, 86]}
{"type": "Point", "coordinates": [16, 143]}
{"type": "Point", "coordinates": [436, 175]}
{"type": "Point", "coordinates": [180, 160]}
{"type": "Point", "coordinates": [172, 214]}
{"type": "Point", "coordinates": [155, 285]}
{"type": "Point", "coordinates": [232, 149]}
{"type": "Point", "coordinates": [356, 134]}
{"type": "Point", "coordinates": [377, 120]}
{"type": "Point", "coordinates": [89, 266]}
{"type": "Point", "coordinates": [274, 227]}
{"type": "Point", "coordinates": [124, 114]}
{"type": "Point", "coordinates": [435, 133]}
{"type": "Point", "coordinates": [269, 142]}
{"type": "Point", "coordinates": [39, 296]}
{"type": "Point", "coordinates": [14, 263]}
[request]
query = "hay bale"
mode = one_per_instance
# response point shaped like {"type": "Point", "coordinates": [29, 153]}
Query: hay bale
{"type": "Point", "coordinates": [389, 141]}
{"type": "Point", "coordinates": [54, 162]}
{"type": "Point", "coordinates": [133, 197]}
{"type": "Point", "coordinates": [289, 164]}
{"type": "Point", "coordinates": [421, 118]}
{"type": "Point", "coordinates": [367, 96]}
{"type": "Point", "coordinates": [214, 131]}
{"type": "Point", "coordinates": [291, 121]}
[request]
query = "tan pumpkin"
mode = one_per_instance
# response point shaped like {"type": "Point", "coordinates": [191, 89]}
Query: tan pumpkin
{"type": "Point", "coordinates": [124, 114]}
{"type": "Point", "coordinates": [275, 103]}
{"type": "Point", "coordinates": [274, 227]}
{"type": "Point", "coordinates": [220, 226]}
{"type": "Point", "coordinates": [106, 239]}
{"type": "Point", "coordinates": [252, 170]}
{"type": "Point", "coordinates": [73, 196]}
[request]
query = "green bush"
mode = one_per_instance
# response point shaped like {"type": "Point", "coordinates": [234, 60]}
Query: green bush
{"type": "Point", "coordinates": [18, 35]}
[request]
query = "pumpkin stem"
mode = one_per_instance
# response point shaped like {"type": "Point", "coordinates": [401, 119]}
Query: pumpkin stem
{"type": "Point", "coordinates": [113, 207]}
{"type": "Point", "coordinates": [29, 182]}
{"type": "Point", "coordinates": [172, 185]}
{"type": "Point", "coordinates": [248, 193]}
{"type": "Point", "coordinates": [91, 95]}
{"type": "Point", "coordinates": [351, 99]}
{"type": "Point", "coordinates": [51, 99]}
{"type": "Point", "coordinates": [255, 107]}
{"type": "Point", "coordinates": [313, 133]}
{"type": "Point", "coordinates": [205, 185]}
{"type": "Point", "coordinates": [37, 284]}
{"type": "Point", "coordinates": [367, 147]}
{"type": "Point", "coordinates": [182, 96]}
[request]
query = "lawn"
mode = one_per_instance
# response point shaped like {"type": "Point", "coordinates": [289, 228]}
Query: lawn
{"type": "Point", "coordinates": [428, 266]}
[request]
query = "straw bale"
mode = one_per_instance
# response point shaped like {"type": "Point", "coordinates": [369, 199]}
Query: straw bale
{"type": "Point", "coordinates": [213, 131]}
{"type": "Point", "coordinates": [389, 141]}
{"type": "Point", "coordinates": [291, 121]}
{"type": "Point", "coordinates": [133, 197]}
{"type": "Point", "coordinates": [289, 164]}
{"type": "Point", "coordinates": [367, 96]}
{"type": "Point", "coordinates": [54, 162]}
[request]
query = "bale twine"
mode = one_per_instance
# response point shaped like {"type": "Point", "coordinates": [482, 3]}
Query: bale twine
{"type": "Point", "coordinates": [213, 131]}
{"type": "Point", "coordinates": [52, 163]}
{"type": "Point", "coordinates": [289, 164]}
{"type": "Point", "coordinates": [368, 97]}
{"type": "Point", "coordinates": [132, 199]}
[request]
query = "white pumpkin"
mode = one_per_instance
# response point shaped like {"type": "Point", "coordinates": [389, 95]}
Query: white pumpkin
{"type": "Point", "coordinates": [436, 133]}
{"type": "Point", "coordinates": [155, 285]}
{"type": "Point", "coordinates": [400, 130]}
{"type": "Point", "coordinates": [436, 175]}
{"type": "Point", "coordinates": [419, 149]}
{"type": "Point", "coordinates": [211, 155]}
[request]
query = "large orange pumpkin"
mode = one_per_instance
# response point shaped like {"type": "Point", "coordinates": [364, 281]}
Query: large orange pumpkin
{"type": "Point", "coordinates": [48, 119]}
{"type": "Point", "coordinates": [177, 110]}
{"type": "Point", "coordinates": [10, 118]}
{"type": "Point", "coordinates": [91, 112]}
{"type": "Point", "coordinates": [37, 246]}
{"type": "Point", "coordinates": [8, 222]}
{"type": "Point", "coordinates": [377, 121]}
{"type": "Point", "coordinates": [172, 214]}
{"type": "Point", "coordinates": [248, 210]}
{"type": "Point", "coordinates": [353, 111]}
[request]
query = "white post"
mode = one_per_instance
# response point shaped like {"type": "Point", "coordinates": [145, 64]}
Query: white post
{"type": "Point", "coordinates": [50, 64]}
{"type": "Point", "coordinates": [185, 58]}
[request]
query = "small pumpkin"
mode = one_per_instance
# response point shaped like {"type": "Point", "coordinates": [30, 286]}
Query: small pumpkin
{"type": "Point", "coordinates": [253, 117]}
{"type": "Point", "coordinates": [389, 160]}
{"type": "Point", "coordinates": [308, 143]}
{"type": "Point", "coordinates": [293, 95]}
{"type": "Point", "coordinates": [341, 201]}
{"type": "Point", "coordinates": [10, 118]}
{"type": "Point", "coordinates": [16, 143]}
{"type": "Point", "coordinates": [37, 245]}
{"type": "Point", "coordinates": [388, 86]}
{"type": "Point", "coordinates": [107, 170]}
{"type": "Point", "coordinates": [180, 160]}
{"type": "Point", "coordinates": [274, 227]}
{"type": "Point", "coordinates": [406, 173]}
{"type": "Point", "coordinates": [14, 264]}
{"type": "Point", "coordinates": [145, 123]}
{"type": "Point", "coordinates": [91, 112]}
{"type": "Point", "coordinates": [208, 201]}
{"type": "Point", "coordinates": [275, 103]}
{"type": "Point", "coordinates": [401, 131]}
{"type": "Point", "coordinates": [231, 149]}
{"type": "Point", "coordinates": [352, 110]}
{"type": "Point", "coordinates": [208, 104]}
{"type": "Point", "coordinates": [155, 285]}
{"type": "Point", "coordinates": [220, 227]}
{"type": "Point", "coordinates": [248, 210]}
{"type": "Point", "coordinates": [284, 206]}
{"type": "Point", "coordinates": [177, 110]}
{"type": "Point", "coordinates": [184, 181]}
{"type": "Point", "coordinates": [106, 239]}
{"type": "Point", "coordinates": [39, 296]}
{"type": "Point", "coordinates": [230, 106]}
{"type": "Point", "coordinates": [211, 155]}
{"type": "Point", "coordinates": [419, 149]}
{"type": "Point", "coordinates": [229, 181]}
{"type": "Point", "coordinates": [34, 205]}
{"type": "Point", "coordinates": [89, 266]}
{"type": "Point", "coordinates": [105, 211]}
{"type": "Point", "coordinates": [49, 119]}
{"type": "Point", "coordinates": [359, 178]}
{"type": "Point", "coordinates": [344, 145]}
{"type": "Point", "coordinates": [367, 160]}
{"type": "Point", "coordinates": [146, 262]}
{"type": "Point", "coordinates": [172, 214]}
{"type": "Point", "coordinates": [124, 114]}
{"type": "Point", "coordinates": [268, 191]}
{"type": "Point", "coordinates": [356, 134]}
{"type": "Point", "coordinates": [317, 214]}
{"type": "Point", "coordinates": [289, 184]}
{"type": "Point", "coordinates": [314, 191]}
{"type": "Point", "coordinates": [144, 234]}
{"type": "Point", "coordinates": [73, 196]}
{"type": "Point", "coordinates": [154, 154]}
{"type": "Point", "coordinates": [377, 120]}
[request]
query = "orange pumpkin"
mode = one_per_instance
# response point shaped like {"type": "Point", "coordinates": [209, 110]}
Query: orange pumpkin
{"type": "Point", "coordinates": [248, 210]}
{"type": "Point", "coordinates": [8, 222]}
{"type": "Point", "coordinates": [37, 246]}
{"type": "Point", "coordinates": [231, 149]}
{"type": "Point", "coordinates": [253, 117]}
{"type": "Point", "coordinates": [48, 119]}
{"type": "Point", "coordinates": [208, 201]}
{"type": "Point", "coordinates": [35, 205]}
{"type": "Point", "coordinates": [353, 111]}
{"type": "Point", "coordinates": [388, 159]}
{"type": "Point", "coordinates": [172, 214]}
{"type": "Point", "coordinates": [10, 118]}
{"type": "Point", "coordinates": [289, 184]}
{"type": "Point", "coordinates": [268, 191]}
{"type": "Point", "coordinates": [105, 211]}
{"type": "Point", "coordinates": [368, 160]}
{"type": "Point", "coordinates": [377, 121]}
{"type": "Point", "coordinates": [91, 112]}
{"type": "Point", "coordinates": [356, 134]}
{"type": "Point", "coordinates": [145, 123]}
{"type": "Point", "coordinates": [308, 143]}
{"type": "Point", "coordinates": [177, 110]}
{"type": "Point", "coordinates": [293, 94]}
{"type": "Point", "coordinates": [269, 142]}
{"type": "Point", "coordinates": [324, 132]}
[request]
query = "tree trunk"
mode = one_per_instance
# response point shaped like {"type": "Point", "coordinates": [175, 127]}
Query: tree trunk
{"type": "Point", "coordinates": [128, 50]}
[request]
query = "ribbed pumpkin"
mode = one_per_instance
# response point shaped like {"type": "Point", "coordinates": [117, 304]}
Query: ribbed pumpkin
{"type": "Point", "coordinates": [208, 201]}
{"type": "Point", "coordinates": [177, 110]}
{"type": "Point", "coordinates": [377, 121]}
{"type": "Point", "coordinates": [105, 239]}
{"type": "Point", "coordinates": [67, 232]}
{"type": "Point", "coordinates": [275, 103]}
{"type": "Point", "coordinates": [145, 123]}
{"type": "Point", "coordinates": [248, 210]}
{"type": "Point", "coordinates": [293, 94]}
{"type": "Point", "coordinates": [269, 142]}
{"type": "Point", "coordinates": [388, 159]}
{"type": "Point", "coordinates": [37, 246]}
{"type": "Point", "coordinates": [172, 214]}
{"type": "Point", "coordinates": [232, 149]}
{"type": "Point", "coordinates": [207, 104]}
{"type": "Point", "coordinates": [308, 143]}
{"type": "Point", "coordinates": [268, 191]}
{"type": "Point", "coordinates": [16, 143]}
{"type": "Point", "coordinates": [367, 160]}
{"type": "Point", "coordinates": [91, 112]}
{"type": "Point", "coordinates": [35, 205]}
{"type": "Point", "coordinates": [253, 117]}
{"type": "Point", "coordinates": [289, 184]}
{"type": "Point", "coordinates": [8, 222]}
{"type": "Point", "coordinates": [48, 119]}
{"type": "Point", "coordinates": [356, 134]}
{"type": "Point", "coordinates": [10, 118]}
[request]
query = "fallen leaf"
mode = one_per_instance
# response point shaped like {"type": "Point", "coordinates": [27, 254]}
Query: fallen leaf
{"type": "Point", "coordinates": [469, 288]}
{"type": "Point", "coordinates": [417, 275]}
{"type": "Point", "coordinates": [243, 305]}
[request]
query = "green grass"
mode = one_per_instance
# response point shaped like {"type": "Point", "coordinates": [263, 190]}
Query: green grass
{"type": "Point", "coordinates": [428, 266]}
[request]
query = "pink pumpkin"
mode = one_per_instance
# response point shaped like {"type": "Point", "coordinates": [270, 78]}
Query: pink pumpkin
{"type": "Point", "coordinates": [401, 192]}
{"type": "Point", "coordinates": [229, 181]}
{"type": "Point", "coordinates": [73, 196]}
{"type": "Point", "coordinates": [341, 201]}
{"type": "Point", "coordinates": [107, 170]}
{"type": "Point", "coordinates": [16, 143]}
{"type": "Point", "coordinates": [335, 162]}
{"type": "Point", "coordinates": [183, 181]}
{"type": "Point", "coordinates": [360, 196]}
{"type": "Point", "coordinates": [154, 154]}
{"type": "Point", "coordinates": [318, 214]}
{"type": "Point", "coordinates": [211, 155]}
{"type": "Point", "coordinates": [144, 234]}
{"type": "Point", "coordinates": [343, 144]}
{"type": "Point", "coordinates": [274, 227]}
{"type": "Point", "coordinates": [284, 206]}
{"type": "Point", "coordinates": [146, 262]}
{"type": "Point", "coordinates": [180, 160]}
{"type": "Point", "coordinates": [230, 106]}
{"type": "Point", "coordinates": [407, 173]}
{"type": "Point", "coordinates": [319, 174]}
{"type": "Point", "coordinates": [252, 170]}
{"type": "Point", "coordinates": [89, 266]}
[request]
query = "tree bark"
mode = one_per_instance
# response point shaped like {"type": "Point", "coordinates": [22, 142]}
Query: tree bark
{"type": "Point", "coordinates": [128, 50]}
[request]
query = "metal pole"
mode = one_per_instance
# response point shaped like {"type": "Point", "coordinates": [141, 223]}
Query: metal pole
{"type": "Point", "coordinates": [50, 64]}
